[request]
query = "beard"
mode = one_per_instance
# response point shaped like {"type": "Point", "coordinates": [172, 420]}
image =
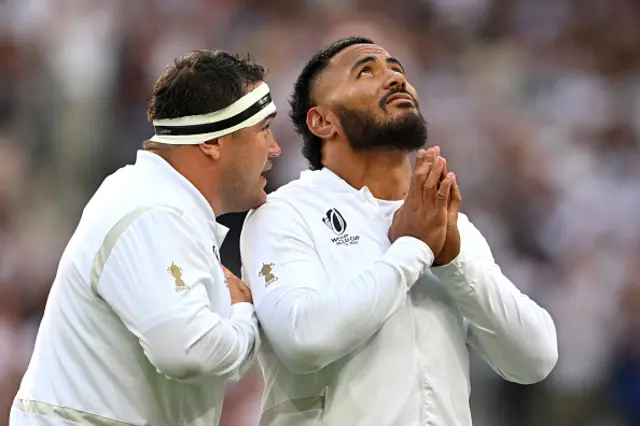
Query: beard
{"type": "Point", "coordinates": [407, 132]}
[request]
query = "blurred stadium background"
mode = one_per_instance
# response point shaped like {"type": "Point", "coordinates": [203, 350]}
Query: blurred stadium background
{"type": "Point", "coordinates": [536, 104]}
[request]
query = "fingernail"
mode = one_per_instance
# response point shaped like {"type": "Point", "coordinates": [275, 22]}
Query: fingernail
{"type": "Point", "coordinates": [430, 152]}
{"type": "Point", "coordinates": [421, 154]}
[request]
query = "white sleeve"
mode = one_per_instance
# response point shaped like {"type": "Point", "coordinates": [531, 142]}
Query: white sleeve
{"type": "Point", "coordinates": [303, 315]}
{"type": "Point", "coordinates": [171, 314]}
{"type": "Point", "coordinates": [514, 335]}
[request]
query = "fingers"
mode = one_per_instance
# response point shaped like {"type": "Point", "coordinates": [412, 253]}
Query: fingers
{"type": "Point", "coordinates": [444, 192]}
{"type": "Point", "coordinates": [413, 184]}
{"type": "Point", "coordinates": [239, 291]}
{"type": "Point", "coordinates": [455, 198]}
{"type": "Point", "coordinates": [431, 185]}
{"type": "Point", "coordinates": [227, 272]}
{"type": "Point", "coordinates": [445, 172]}
{"type": "Point", "coordinates": [235, 280]}
{"type": "Point", "coordinates": [245, 290]}
{"type": "Point", "coordinates": [420, 173]}
{"type": "Point", "coordinates": [430, 170]}
{"type": "Point", "coordinates": [242, 286]}
{"type": "Point", "coordinates": [436, 154]}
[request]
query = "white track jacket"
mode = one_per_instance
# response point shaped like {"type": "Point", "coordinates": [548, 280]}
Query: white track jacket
{"type": "Point", "coordinates": [359, 331]}
{"type": "Point", "coordinates": [138, 328]}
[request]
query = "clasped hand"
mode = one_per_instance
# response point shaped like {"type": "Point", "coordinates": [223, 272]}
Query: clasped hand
{"type": "Point", "coordinates": [430, 209]}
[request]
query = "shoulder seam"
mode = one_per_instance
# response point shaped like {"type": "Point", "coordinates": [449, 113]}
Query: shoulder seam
{"type": "Point", "coordinates": [112, 237]}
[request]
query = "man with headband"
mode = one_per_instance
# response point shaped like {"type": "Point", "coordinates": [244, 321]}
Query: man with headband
{"type": "Point", "coordinates": [143, 324]}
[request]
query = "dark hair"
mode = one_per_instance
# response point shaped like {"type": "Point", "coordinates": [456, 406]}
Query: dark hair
{"type": "Point", "coordinates": [202, 82]}
{"type": "Point", "coordinates": [301, 99]}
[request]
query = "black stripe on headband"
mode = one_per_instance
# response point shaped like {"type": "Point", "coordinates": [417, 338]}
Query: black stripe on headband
{"type": "Point", "coordinates": [198, 129]}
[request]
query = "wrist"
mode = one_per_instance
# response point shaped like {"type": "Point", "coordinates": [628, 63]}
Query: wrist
{"type": "Point", "coordinates": [443, 261]}
{"type": "Point", "coordinates": [449, 263]}
{"type": "Point", "coordinates": [242, 309]}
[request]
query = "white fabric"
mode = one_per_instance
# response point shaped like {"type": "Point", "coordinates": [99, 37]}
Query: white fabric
{"type": "Point", "coordinates": [234, 109]}
{"type": "Point", "coordinates": [151, 347]}
{"type": "Point", "coordinates": [360, 332]}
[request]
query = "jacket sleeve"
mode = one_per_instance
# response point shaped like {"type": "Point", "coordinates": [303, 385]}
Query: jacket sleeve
{"type": "Point", "coordinates": [155, 279]}
{"type": "Point", "coordinates": [511, 332]}
{"type": "Point", "coordinates": [309, 320]}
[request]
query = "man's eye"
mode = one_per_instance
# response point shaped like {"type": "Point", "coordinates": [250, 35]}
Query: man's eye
{"type": "Point", "coordinates": [366, 70]}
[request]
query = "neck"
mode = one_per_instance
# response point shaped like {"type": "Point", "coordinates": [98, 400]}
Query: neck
{"type": "Point", "coordinates": [189, 166]}
{"type": "Point", "coordinates": [387, 174]}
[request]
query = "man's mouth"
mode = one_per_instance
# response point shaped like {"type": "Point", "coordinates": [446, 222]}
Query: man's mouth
{"type": "Point", "coordinates": [266, 168]}
{"type": "Point", "coordinates": [400, 97]}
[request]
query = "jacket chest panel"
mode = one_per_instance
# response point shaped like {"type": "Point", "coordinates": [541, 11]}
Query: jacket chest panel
{"type": "Point", "coordinates": [347, 239]}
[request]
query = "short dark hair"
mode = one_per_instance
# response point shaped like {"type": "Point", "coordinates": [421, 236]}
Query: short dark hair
{"type": "Point", "coordinates": [301, 99]}
{"type": "Point", "coordinates": [201, 82]}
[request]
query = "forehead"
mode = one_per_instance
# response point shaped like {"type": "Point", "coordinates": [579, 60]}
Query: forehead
{"type": "Point", "coordinates": [347, 57]}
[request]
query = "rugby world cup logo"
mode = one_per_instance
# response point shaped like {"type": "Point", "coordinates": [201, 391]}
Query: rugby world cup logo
{"type": "Point", "coordinates": [334, 221]}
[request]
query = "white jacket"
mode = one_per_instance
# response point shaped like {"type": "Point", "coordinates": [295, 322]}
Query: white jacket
{"type": "Point", "coordinates": [138, 328]}
{"type": "Point", "coordinates": [361, 332]}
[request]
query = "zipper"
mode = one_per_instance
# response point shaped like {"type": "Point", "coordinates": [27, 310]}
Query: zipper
{"type": "Point", "coordinates": [426, 393]}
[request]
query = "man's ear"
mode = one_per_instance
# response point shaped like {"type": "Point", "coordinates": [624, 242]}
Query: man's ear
{"type": "Point", "coordinates": [211, 149]}
{"type": "Point", "coordinates": [321, 122]}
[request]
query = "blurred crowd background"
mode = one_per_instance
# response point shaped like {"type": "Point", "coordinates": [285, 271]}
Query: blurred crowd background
{"type": "Point", "coordinates": [535, 103]}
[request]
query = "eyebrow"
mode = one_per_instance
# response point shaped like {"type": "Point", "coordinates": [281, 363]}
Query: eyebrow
{"type": "Point", "coordinates": [389, 60]}
{"type": "Point", "coordinates": [269, 117]}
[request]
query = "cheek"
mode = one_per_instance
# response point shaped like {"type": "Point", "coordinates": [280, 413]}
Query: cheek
{"type": "Point", "coordinates": [359, 95]}
{"type": "Point", "coordinates": [254, 158]}
{"type": "Point", "coordinates": [412, 91]}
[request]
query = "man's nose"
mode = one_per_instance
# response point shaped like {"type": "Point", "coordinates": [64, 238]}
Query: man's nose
{"type": "Point", "coordinates": [274, 149]}
{"type": "Point", "coordinates": [395, 80]}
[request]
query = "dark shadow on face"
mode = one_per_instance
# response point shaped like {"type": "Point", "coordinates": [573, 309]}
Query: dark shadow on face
{"type": "Point", "coordinates": [406, 131]}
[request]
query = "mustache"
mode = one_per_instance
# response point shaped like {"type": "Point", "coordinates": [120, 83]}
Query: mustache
{"type": "Point", "coordinates": [392, 92]}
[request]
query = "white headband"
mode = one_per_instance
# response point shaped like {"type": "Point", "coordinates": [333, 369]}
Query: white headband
{"type": "Point", "coordinates": [247, 111]}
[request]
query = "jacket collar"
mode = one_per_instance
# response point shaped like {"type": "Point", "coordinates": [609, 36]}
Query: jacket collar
{"type": "Point", "coordinates": [331, 181]}
{"type": "Point", "coordinates": [334, 183]}
{"type": "Point", "coordinates": [159, 166]}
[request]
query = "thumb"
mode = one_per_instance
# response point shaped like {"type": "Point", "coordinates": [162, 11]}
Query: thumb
{"type": "Point", "coordinates": [394, 219]}
{"type": "Point", "coordinates": [397, 212]}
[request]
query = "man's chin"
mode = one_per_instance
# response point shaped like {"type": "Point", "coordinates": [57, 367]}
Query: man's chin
{"type": "Point", "coordinates": [258, 200]}
{"type": "Point", "coordinates": [405, 113]}
{"type": "Point", "coordinates": [249, 201]}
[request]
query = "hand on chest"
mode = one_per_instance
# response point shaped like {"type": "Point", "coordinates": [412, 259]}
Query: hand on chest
{"type": "Point", "coordinates": [217, 286]}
